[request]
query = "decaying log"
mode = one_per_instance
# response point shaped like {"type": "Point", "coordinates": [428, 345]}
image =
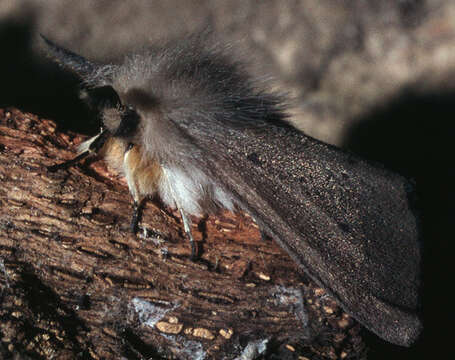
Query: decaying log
{"type": "Point", "coordinates": [75, 283]}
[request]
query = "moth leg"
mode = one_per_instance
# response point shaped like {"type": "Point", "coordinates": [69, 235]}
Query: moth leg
{"type": "Point", "coordinates": [128, 168]}
{"type": "Point", "coordinates": [136, 217]}
{"type": "Point", "coordinates": [202, 227]}
{"type": "Point", "coordinates": [87, 148]}
{"type": "Point", "coordinates": [185, 219]}
{"type": "Point", "coordinates": [264, 235]}
{"type": "Point", "coordinates": [187, 227]}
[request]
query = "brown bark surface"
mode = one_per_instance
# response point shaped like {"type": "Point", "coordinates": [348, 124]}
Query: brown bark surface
{"type": "Point", "coordinates": [75, 283]}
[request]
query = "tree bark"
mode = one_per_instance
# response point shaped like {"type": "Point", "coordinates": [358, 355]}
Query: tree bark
{"type": "Point", "coordinates": [75, 283]}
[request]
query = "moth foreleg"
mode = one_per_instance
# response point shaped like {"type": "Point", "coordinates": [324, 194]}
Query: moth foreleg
{"type": "Point", "coordinates": [136, 217]}
{"type": "Point", "coordinates": [69, 163]}
{"type": "Point", "coordinates": [128, 167]}
{"type": "Point", "coordinates": [87, 148]}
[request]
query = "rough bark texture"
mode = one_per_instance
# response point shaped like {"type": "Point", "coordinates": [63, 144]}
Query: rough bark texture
{"type": "Point", "coordinates": [75, 283]}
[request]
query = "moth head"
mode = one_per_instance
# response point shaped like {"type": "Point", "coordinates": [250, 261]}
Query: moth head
{"type": "Point", "coordinates": [119, 116]}
{"type": "Point", "coordinates": [119, 111]}
{"type": "Point", "coordinates": [123, 112]}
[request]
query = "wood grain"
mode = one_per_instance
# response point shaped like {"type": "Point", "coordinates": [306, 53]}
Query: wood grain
{"type": "Point", "coordinates": [75, 283]}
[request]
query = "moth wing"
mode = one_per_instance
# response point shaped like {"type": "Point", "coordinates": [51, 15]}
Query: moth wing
{"type": "Point", "coordinates": [348, 223]}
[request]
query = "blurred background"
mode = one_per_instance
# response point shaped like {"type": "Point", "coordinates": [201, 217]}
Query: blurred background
{"type": "Point", "coordinates": [375, 77]}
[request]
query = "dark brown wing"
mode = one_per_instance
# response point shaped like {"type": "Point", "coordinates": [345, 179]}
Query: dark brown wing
{"type": "Point", "coordinates": [348, 223]}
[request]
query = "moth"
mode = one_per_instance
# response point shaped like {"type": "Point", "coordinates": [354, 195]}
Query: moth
{"type": "Point", "coordinates": [184, 121]}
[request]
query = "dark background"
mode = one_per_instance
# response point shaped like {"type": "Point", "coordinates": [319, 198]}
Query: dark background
{"type": "Point", "coordinates": [373, 77]}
